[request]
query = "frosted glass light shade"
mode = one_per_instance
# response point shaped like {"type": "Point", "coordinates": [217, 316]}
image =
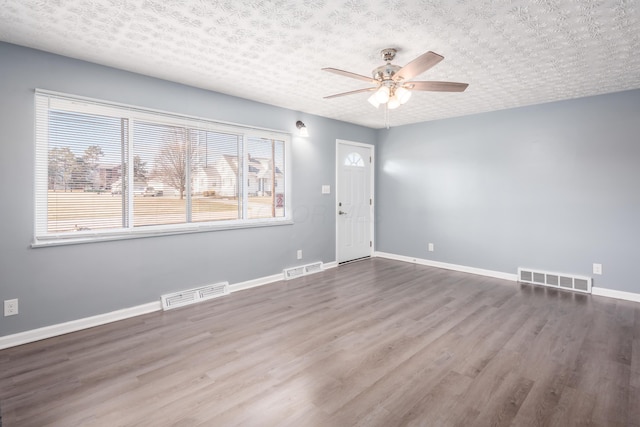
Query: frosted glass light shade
{"type": "Point", "coordinates": [382, 94]}
{"type": "Point", "coordinates": [373, 100]}
{"type": "Point", "coordinates": [403, 94]}
{"type": "Point", "coordinates": [393, 102]}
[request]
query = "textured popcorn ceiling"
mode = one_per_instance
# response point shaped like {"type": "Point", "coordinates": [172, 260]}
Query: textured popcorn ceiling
{"type": "Point", "coordinates": [512, 53]}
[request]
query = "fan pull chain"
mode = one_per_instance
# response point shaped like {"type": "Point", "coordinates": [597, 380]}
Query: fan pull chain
{"type": "Point", "coordinates": [386, 115]}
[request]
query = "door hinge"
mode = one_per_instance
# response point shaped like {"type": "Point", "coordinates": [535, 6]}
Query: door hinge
{"type": "Point", "coordinates": [370, 244]}
{"type": "Point", "coordinates": [370, 202]}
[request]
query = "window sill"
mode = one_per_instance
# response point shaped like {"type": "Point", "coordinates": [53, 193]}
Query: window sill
{"type": "Point", "coordinates": [144, 233]}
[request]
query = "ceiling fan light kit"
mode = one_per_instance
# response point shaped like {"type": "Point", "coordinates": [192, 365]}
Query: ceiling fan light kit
{"type": "Point", "coordinates": [403, 94]}
{"type": "Point", "coordinates": [382, 94]}
{"type": "Point", "coordinates": [393, 103]}
{"type": "Point", "coordinates": [373, 100]}
{"type": "Point", "coordinates": [393, 83]}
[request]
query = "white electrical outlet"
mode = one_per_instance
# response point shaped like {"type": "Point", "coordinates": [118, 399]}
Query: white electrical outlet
{"type": "Point", "coordinates": [299, 254]}
{"type": "Point", "coordinates": [597, 268]}
{"type": "Point", "coordinates": [11, 307]}
{"type": "Point", "coordinates": [431, 247]}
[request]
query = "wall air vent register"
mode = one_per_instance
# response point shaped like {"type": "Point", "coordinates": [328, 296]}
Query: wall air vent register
{"type": "Point", "coordinates": [555, 280]}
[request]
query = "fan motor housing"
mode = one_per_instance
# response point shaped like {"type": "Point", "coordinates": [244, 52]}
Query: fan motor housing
{"type": "Point", "coordinates": [385, 72]}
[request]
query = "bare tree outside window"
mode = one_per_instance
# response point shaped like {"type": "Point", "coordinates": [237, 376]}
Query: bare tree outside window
{"type": "Point", "coordinates": [170, 165]}
{"type": "Point", "coordinates": [140, 170]}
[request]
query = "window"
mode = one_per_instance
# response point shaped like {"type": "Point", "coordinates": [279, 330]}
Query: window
{"type": "Point", "coordinates": [105, 170]}
{"type": "Point", "coordinates": [354, 159]}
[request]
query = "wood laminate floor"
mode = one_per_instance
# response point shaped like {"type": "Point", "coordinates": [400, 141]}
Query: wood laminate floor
{"type": "Point", "coordinates": [373, 343]}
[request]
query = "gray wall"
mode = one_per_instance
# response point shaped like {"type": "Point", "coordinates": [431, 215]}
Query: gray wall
{"type": "Point", "coordinates": [64, 283]}
{"type": "Point", "coordinates": [553, 186]}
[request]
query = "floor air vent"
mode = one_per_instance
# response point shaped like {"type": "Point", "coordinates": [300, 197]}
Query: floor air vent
{"type": "Point", "coordinates": [303, 270]}
{"type": "Point", "coordinates": [192, 296]}
{"type": "Point", "coordinates": [555, 280]}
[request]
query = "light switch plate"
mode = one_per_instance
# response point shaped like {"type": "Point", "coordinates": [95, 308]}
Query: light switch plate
{"type": "Point", "coordinates": [11, 307]}
{"type": "Point", "coordinates": [326, 189]}
{"type": "Point", "coordinates": [597, 268]}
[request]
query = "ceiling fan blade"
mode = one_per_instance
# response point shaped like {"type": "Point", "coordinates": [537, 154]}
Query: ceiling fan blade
{"type": "Point", "coordinates": [437, 86]}
{"type": "Point", "coordinates": [418, 66]}
{"type": "Point", "coordinates": [369, 89]}
{"type": "Point", "coordinates": [349, 74]}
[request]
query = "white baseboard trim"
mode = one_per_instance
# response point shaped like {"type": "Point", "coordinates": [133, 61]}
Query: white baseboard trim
{"type": "Point", "coordinates": [102, 319]}
{"type": "Point", "coordinates": [76, 325]}
{"type": "Point", "coordinates": [328, 265]}
{"type": "Point", "coordinates": [603, 292]}
{"type": "Point", "coordinates": [269, 279]}
{"type": "Point", "coordinates": [241, 286]}
{"type": "Point", "coordinates": [447, 266]}
{"type": "Point", "coordinates": [612, 293]}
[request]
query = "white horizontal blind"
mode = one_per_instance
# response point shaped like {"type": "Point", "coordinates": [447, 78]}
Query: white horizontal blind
{"type": "Point", "coordinates": [83, 157]}
{"type": "Point", "coordinates": [183, 171]}
{"type": "Point", "coordinates": [160, 181]}
{"type": "Point", "coordinates": [215, 181]}
{"type": "Point", "coordinates": [265, 178]}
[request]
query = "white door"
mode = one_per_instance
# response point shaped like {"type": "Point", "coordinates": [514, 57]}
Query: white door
{"type": "Point", "coordinates": [354, 201]}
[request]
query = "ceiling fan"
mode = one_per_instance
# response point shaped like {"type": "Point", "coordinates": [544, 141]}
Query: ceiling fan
{"type": "Point", "coordinates": [393, 83]}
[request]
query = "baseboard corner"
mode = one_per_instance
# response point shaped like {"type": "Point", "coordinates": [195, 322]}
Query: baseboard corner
{"type": "Point", "coordinates": [455, 267]}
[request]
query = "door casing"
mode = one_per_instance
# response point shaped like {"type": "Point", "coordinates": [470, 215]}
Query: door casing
{"type": "Point", "coordinates": [371, 147]}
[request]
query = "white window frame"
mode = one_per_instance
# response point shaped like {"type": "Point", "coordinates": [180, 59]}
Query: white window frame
{"type": "Point", "coordinates": [56, 100]}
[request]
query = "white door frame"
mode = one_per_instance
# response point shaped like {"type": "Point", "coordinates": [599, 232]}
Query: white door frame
{"type": "Point", "coordinates": [372, 189]}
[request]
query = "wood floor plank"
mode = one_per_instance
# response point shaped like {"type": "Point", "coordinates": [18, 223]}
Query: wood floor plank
{"type": "Point", "coordinates": [544, 396]}
{"type": "Point", "coordinates": [372, 343]}
{"type": "Point", "coordinates": [503, 406]}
